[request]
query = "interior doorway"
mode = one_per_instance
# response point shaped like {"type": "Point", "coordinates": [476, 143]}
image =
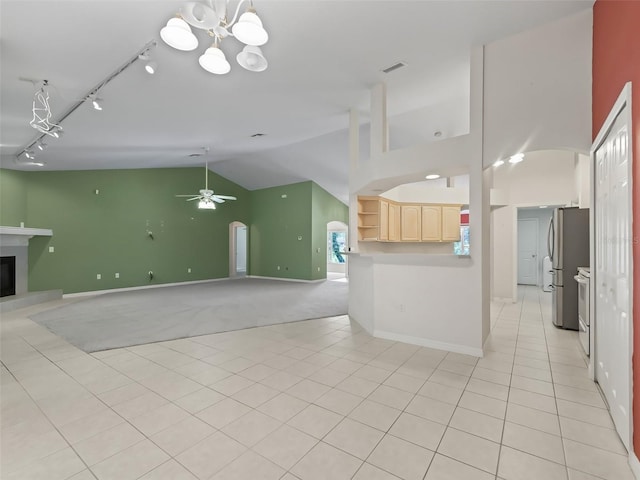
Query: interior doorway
{"type": "Point", "coordinates": [238, 240]}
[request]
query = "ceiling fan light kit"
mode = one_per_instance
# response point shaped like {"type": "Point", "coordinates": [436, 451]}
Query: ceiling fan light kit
{"type": "Point", "coordinates": [248, 30]}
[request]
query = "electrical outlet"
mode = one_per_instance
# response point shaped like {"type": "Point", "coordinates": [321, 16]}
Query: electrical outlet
{"type": "Point", "coordinates": [189, 270]}
{"type": "Point", "coordinates": [51, 249]}
{"type": "Point", "coordinates": [117, 275]}
{"type": "Point", "coordinates": [98, 277]}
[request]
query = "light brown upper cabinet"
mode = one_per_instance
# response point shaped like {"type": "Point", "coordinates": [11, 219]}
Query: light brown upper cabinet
{"type": "Point", "coordinates": [394, 222]}
{"type": "Point", "coordinates": [384, 220]}
{"type": "Point", "coordinates": [411, 220]}
{"type": "Point", "coordinates": [431, 223]}
{"type": "Point", "coordinates": [450, 223]}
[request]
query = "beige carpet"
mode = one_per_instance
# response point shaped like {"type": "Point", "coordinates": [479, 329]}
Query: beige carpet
{"type": "Point", "coordinates": [122, 319]}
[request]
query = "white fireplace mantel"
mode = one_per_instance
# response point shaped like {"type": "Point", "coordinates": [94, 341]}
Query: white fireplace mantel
{"type": "Point", "coordinates": [19, 236]}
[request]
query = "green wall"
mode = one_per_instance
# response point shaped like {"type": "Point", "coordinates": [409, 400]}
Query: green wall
{"type": "Point", "coordinates": [13, 198]}
{"type": "Point", "coordinates": [291, 232]}
{"type": "Point", "coordinates": [106, 232]}
{"type": "Point", "coordinates": [277, 223]}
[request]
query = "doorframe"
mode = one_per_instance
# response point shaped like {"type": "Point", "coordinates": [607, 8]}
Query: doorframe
{"type": "Point", "coordinates": [623, 100]}
{"type": "Point", "coordinates": [232, 248]}
{"type": "Point", "coordinates": [537, 269]}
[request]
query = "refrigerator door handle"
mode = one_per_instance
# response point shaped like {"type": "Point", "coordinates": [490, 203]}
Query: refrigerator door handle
{"type": "Point", "coordinates": [550, 235]}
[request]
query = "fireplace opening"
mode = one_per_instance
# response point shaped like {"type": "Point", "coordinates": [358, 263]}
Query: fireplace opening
{"type": "Point", "coordinates": [7, 276]}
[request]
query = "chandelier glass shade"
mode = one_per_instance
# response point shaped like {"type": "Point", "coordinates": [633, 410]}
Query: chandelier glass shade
{"type": "Point", "coordinates": [248, 29]}
{"type": "Point", "coordinates": [178, 34]}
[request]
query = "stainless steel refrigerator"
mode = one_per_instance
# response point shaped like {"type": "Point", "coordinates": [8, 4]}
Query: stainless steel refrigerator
{"type": "Point", "coordinates": [568, 245]}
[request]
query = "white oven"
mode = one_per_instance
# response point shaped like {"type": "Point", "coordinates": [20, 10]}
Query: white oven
{"type": "Point", "coordinates": [584, 324]}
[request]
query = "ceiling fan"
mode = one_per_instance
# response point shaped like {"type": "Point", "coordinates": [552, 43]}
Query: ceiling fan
{"type": "Point", "coordinates": [207, 199]}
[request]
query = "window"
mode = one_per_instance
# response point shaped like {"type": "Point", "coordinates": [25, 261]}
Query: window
{"type": "Point", "coordinates": [336, 246]}
{"type": "Point", "coordinates": [462, 247]}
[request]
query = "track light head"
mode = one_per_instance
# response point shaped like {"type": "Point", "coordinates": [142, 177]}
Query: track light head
{"type": "Point", "coordinates": [151, 67]}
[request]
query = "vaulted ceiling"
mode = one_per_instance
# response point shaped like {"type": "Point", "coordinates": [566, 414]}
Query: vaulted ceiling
{"type": "Point", "coordinates": [324, 57]}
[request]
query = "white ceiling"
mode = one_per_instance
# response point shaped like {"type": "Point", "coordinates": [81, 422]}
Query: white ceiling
{"type": "Point", "coordinates": [324, 56]}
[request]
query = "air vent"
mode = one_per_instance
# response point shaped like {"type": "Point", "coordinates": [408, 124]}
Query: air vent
{"type": "Point", "coordinates": [258, 135]}
{"type": "Point", "coordinates": [393, 67]}
{"type": "Point", "coordinates": [196, 155]}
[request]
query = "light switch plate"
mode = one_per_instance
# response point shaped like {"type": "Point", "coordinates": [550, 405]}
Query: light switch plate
{"type": "Point", "coordinates": [51, 249]}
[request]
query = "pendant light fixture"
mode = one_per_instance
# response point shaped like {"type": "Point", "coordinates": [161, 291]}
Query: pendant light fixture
{"type": "Point", "coordinates": [214, 61]}
{"type": "Point", "coordinates": [202, 15]}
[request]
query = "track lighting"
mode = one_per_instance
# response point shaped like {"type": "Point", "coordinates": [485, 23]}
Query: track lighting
{"type": "Point", "coordinates": [248, 30]}
{"type": "Point", "coordinates": [150, 66]}
{"type": "Point", "coordinates": [42, 117]}
{"type": "Point", "coordinates": [96, 102]}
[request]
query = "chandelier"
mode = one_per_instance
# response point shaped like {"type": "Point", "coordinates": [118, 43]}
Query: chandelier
{"type": "Point", "coordinates": [247, 29]}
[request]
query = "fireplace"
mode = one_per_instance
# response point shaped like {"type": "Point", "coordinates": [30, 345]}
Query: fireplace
{"type": "Point", "coordinates": [7, 276]}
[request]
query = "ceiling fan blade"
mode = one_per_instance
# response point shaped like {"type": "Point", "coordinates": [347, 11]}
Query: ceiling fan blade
{"type": "Point", "coordinates": [192, 195]}
{"type": "Point", "coordinates": [217, 199]}
{"type": "Point", "coordinates": [194, 198]}
{"type": "Point", "coordinates": [226, 197]}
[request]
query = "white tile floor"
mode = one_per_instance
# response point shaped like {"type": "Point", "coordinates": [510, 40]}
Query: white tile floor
{"type": "Point", "coordinates": [311, 400]}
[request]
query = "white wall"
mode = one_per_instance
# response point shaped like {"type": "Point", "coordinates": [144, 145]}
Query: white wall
{"type": "Point", "coordinates": [537, 89]}
{"type": "Point", "coordinates": [583, 180]}
{"type": "Point", "coordinates": [425, 288]}
{"type": "Point", "coordinates": [543, 178]}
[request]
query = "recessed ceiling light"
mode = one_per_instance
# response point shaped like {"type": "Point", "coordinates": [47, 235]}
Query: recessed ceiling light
{"type": "Point", "coordinates": [432, 176]}
{"type": "Point", "coordinates": [498, 163]}
{"type": "Point", "coordinates": [517, 158]}
{"type": "Point", "coordinates": [542, 206]}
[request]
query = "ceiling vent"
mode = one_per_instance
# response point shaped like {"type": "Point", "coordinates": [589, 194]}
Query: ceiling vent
{"type": "Point", "coordinates": [258, 135]}
{"type": "Point", "coordinates": [393, 67]}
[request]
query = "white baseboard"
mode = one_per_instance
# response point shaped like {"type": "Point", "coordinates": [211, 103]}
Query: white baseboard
{"type": "Point", "coordinates": [425, 342]}
{"type": "Point", "coordinates": [287, 279]}
{"type": "Point", "coordinates": [634, 463]}
{"type": "Point", "coordinates": [142, 287]}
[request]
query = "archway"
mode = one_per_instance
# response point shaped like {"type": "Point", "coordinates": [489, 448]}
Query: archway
{"type": "Point", "coordinates": [337, 241]}
{"type": "Point", "coordinates": [238, 251]}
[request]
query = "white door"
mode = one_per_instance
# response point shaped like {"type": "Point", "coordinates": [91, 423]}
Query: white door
{"type": "Point", "coordinates": [528, 251]}
{"type": "Point", "coordinates": [612, 283]}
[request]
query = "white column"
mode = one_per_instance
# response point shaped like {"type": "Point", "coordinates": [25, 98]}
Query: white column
{"type": "Point", "coordinates": [379, 128]}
